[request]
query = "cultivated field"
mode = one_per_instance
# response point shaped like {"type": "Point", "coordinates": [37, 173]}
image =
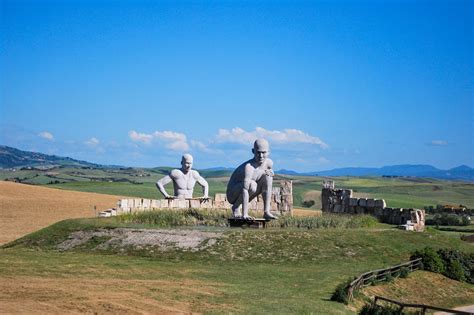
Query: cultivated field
{"type": "Point", "coordinates": [27, 208]}
{"type": "Point", "coordinates": [398, 192]}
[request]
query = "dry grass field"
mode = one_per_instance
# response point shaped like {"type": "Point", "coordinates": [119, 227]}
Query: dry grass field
{"type": "Point", "coordinates": [27, 208]}
{"type": "Point", "coordinates": [72, 295]}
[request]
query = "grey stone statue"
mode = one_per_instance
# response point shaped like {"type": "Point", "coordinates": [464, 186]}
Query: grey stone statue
{"type": "Point", "coordinates": [250, 179]}
{"type": "Point", "coordinates": [183, 180]}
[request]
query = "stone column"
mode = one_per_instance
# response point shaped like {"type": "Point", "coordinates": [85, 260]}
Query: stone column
{"type": "Point", "coordinates": [286, 197]}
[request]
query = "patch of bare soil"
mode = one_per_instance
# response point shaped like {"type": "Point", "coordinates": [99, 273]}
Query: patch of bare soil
{"type": "Point", "coordinates": [297, 212]}
{"type": "Point", "coordinates": [140, 238]}
{"type": "Point", "coordinates": [468, 238]}
{"type": "Point", "coordinates": [27, 208]}
{"type": "Point", "coordinates": [34, 295]}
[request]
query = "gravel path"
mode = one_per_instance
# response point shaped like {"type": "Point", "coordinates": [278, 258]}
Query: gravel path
{"type": "Point", "coordinates": [139, 238]}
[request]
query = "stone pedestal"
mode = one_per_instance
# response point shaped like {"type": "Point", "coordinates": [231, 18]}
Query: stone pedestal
{"type": "Point", "coordinates": [243, 223]}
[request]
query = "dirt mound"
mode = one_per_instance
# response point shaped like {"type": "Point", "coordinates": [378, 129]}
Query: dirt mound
{"type": "Point", "coordinates": [140, 238]}
{"type": "Point", "coordinates": [26, 208]}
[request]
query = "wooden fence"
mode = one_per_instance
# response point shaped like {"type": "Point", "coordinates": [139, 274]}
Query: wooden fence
{"type": "Point", "coordinates": [422, 307]}
{"type": "Point", "coordinates": [378, 275]}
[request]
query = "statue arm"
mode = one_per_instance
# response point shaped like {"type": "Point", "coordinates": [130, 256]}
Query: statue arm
{"type": "Point", "coordinates": [161, 185]}
{"type": "Point", "coordinates": [205, 186]}
{"type": "Point", "coordinates": [269, 170]}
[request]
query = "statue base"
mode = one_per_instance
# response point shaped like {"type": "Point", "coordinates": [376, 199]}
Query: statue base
{"type": "Point", "coordinates": [248, 223]}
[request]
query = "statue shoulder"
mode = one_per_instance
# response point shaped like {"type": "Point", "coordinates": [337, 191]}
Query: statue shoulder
{"type": "Point", "coordinates": [195, 174]}
{"type": "Point", "coordinates": [175, 173]}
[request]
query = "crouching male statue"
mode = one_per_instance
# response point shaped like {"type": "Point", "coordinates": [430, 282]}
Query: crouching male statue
{"type": "Point", "coordinates": [251, 179]}
{"type": "Point", "coordinates": [184, 180]}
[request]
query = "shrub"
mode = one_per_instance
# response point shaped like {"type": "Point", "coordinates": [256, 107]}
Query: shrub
{"type": "Point", "coordinates": [455, 270]}
{"type": "Point", "coordinates": [448, 219]}
{"type": "Point", "coordinates": [389, 278]}
{"type": "Point", "coordinates": [459, 265]}
{"type": "Point", "coordinates": [430, 259]}
{"type": "Point", "coordinates": [308, 203]}
{"type": "Point", "coordinates": [452, 263]}
{"type": "Point", "coordinates": [404, 272]}
{"type": "Point", "coordinates": [465, 221]}
{"type": "Point", "coordinates": [340, 294]}
{"type": "Point", "coordinates": [370, 309]}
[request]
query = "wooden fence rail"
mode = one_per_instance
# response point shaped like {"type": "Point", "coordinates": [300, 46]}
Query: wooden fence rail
{"type": "Point", "coordinates": [378, 275]}
{"type": "Point", "coordinates": [422, 307]}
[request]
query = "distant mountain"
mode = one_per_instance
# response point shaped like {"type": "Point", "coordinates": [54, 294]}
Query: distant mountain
{"type": "Point", "coordinates": [287, 172]}
{"type": "Point", "coordinates": [463, 172]}
{"type": "Point", "coordinates": [14, 158]}
{"type": "Point", "coordinates": [11, 157]}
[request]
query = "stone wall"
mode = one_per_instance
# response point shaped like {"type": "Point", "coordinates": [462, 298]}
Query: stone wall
{"type": "Point", "coordinates": [282, 202]}
{"type": "Point", "coordinates": [342, 201]}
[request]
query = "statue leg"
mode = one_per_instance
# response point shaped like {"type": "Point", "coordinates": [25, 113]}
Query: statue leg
{"type": "Point", "coordinates": [267, 184]}
{"type": "Point", "coordinates": [236, 208]}
{"type": "Point", "coordinates": [247, 196]}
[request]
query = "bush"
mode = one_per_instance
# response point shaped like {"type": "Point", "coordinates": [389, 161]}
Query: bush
{"type": "Point", "coordinates": [459, 265]}
{"type": "Point", "coordinates": [404, 272]}
{"type": "Point", "coordinates": [465, 221]}
{"type": "Point", "coordinates": [448, 220]}
{"type": "Point", "coordinates": [389, 278]}
{"type": "Point", "coordinates": [452, 263]}
{"type": "Point", "coordinates": [370, 309]}
{"type": "Point", "coordinates": [308, 203]}
{"type": "Point", "coordinates": [340, 294]}
{"type": "Point", "coordinates": [454, 270]}
{"type": "Point", "coordinates": [430, 259]}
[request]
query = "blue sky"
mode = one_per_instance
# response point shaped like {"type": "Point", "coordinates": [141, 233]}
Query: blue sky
{"type": "Point", "coordinates": [329, 84]}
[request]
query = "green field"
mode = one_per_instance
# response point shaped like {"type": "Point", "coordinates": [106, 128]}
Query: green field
{"type": "Point", "coordinates": [135, 182]}
{"type": "Point", "coordinates": [251, 271]}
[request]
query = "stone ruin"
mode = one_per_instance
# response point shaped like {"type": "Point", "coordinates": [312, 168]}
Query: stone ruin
{"type": "Point", "coordinates": [341, 201]}
{"type": "Point", "coordinates": [282, 203]}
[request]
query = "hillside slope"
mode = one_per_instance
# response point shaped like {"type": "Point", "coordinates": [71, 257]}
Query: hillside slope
{"type": "Point", "coordinates": [11, 157]}
{"type": "Point", "coordinates": [26, 208]}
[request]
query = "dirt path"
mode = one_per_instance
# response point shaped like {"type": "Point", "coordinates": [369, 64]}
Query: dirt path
{"type": "Point", "coordinates": [469, 309]}
{"type": "Point", "coordinates": [26, 208]}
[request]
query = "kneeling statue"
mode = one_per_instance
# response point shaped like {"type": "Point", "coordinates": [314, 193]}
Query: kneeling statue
{"type": "Point", "coordinates": [251, 179]}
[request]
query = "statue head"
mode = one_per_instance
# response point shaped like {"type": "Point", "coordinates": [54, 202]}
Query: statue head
{"type": "Point", "coordinates": [186, 162]}
{"type": "Point", "coordinates": [261, 150]}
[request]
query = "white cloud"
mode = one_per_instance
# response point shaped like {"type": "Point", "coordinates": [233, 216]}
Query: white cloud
{"type": "Point", "coordinates": [140, 137]}
{"type": "Point", "coordinates": [239, 135]}
{"type": "Point", "coordinates": [173, 140]}
{"type": "Point", "coordinates": [439, 142]}
{"type": "Point", "coordinates": [92, 142]}
{"type": "Point", "coordinates": [203, 147]}
{"type": "Point", "coordinates": [46, 135]}
{"type": "Point", "coordinates": [323, 160]}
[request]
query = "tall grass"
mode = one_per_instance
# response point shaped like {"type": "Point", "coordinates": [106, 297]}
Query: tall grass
{"type": "Point", "coordinates": [170, 218]}
{"type": "Point", "coordinates": [326, 221]}
{"type": "Point", "coordinates": [203, 217]}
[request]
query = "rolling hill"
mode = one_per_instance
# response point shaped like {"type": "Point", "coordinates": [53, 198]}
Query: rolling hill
{"type": "Point", "coordinates": [14, 158]}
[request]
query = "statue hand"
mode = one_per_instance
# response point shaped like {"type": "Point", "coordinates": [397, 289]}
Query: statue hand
{"type": "Point", "coordinates": [269, 172]}
{"type": "Point", "coordinates": [170, 197]}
